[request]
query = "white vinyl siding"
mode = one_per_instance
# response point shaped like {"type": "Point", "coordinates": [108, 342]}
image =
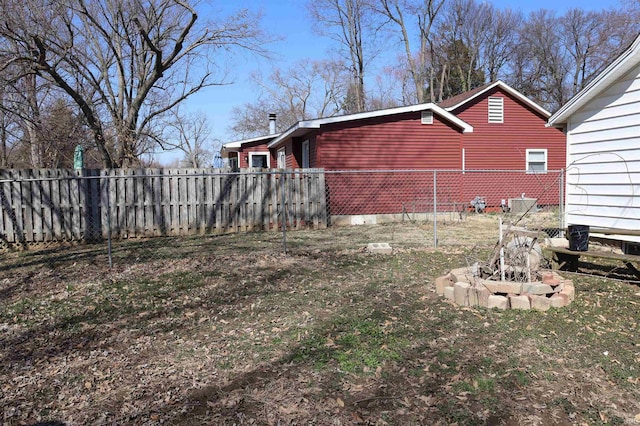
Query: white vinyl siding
{"type": "Point", "coordinates": [603, 158]}
{"type": "Point", "coordinates": [426, 117]}
{"type": "Point", "coordinates": [496, 110]}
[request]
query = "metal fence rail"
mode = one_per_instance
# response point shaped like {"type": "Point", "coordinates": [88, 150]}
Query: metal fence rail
{"type": "Point", "coordinates": [96, 205]}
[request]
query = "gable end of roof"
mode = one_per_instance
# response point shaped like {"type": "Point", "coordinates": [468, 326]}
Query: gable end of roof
{"type": "Point", "coordinates": [456, 102]}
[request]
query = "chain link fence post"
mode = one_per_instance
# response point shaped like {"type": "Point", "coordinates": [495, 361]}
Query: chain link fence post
{"type": "Point", "coordinates": [435, 210]}
{"type": "Point", "coordinates": [561, 205]}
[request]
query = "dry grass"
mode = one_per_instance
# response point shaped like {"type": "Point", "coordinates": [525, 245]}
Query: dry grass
{"type": "Point", "coordinates": [227, 330]}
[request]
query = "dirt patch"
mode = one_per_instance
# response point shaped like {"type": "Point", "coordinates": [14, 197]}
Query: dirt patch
{"type": "Point", "coordinates": [228, 330]}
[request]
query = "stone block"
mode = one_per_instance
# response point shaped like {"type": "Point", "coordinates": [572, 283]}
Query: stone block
{"type": "Point", "coordinates": [461, 293]}
{"type": "Point", "coordinates": [519, 302]}
{"type": "Point", "coordinates": [564, 297]}
{"type": "Point", "coordinates": [550, 279]}
{"type": "Point", "coordinates": [540, 303]}
{"type": "Point", "coordinates": [537, 288]}
{"type": "Point", "coordinates": [483, 296]}
{"type": "Point", "coordinates": [498, 302]}
{"type": "Point", "coordinates": [442, 282]}
{"type": "Point", "coordinates": [448, 293]}
{"type": "Point", "coordinates": [502, 286]}
{"type": "Point", "coordinates": [570, 291]}
{"type": "Point", "coordinates": [557, 301]}
{"type": "Point", "coordinates": [461, 275]}
{"type": "Point", "coordinates": [379, 248]}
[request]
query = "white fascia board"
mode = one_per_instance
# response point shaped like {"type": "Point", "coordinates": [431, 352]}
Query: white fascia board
{"type": "Point", "coordinates": [616, 69]}
{"type": "Point", "coordinates": [235, 145]}
{"type": "Point", "coordinates": [513, 92]}
{"type": "Point", "coordinates": [303, 127]}
{"type": "Point", "coordinates": [297, 129]}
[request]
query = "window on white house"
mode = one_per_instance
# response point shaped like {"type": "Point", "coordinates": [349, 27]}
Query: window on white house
{"type": "Point", "coordinates": [496, 110]}
{"type": "Point", "coordinates": [426, 117]}
{"type": "Point", "coordinates": [259, 160]}
{"type": "Point", "coordinates": [282, 159]}
{"type": "Point", "coordinates": [536, 160]}
{"type": "Point", "coordinates": [305, 155]}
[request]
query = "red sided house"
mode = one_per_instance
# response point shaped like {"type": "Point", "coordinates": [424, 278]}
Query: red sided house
{"type": "Point", "coordinates": [493, 127]}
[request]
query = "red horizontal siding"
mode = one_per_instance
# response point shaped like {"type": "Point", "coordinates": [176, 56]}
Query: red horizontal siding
{"type": "Point", "coordinates": [352, 193]}
{"type": "Point", "coordinates": [503, 146]}
{"type": "Point", "coordinates": [396, 142]}
{"type": "Point", "coordinates": [243, 154]}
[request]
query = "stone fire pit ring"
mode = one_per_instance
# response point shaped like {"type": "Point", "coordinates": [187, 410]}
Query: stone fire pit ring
{"type": "Point", "coordinates": [464, 289]}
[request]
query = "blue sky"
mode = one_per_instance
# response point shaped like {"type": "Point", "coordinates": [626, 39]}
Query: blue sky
{"type": "Point", "coordinates": [288, 19]}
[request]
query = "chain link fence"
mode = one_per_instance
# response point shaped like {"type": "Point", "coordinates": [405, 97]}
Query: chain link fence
{"type": "Point", "coordinates": [49, 207]}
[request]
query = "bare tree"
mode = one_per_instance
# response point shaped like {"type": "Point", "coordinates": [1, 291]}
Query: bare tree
{"type": "Point", "coordinates": [125, 63]}
{"type": "Point", "coordinates": [60, 131]}
{"type": "Point", "coordinates": [541, 65]}
{"type": "Point", "coordinates": [501, 41]}
{"type": "Point", "coordinates": [191, 134]}
{"type": "Point", "coordinates": [352, 24]}
{"type": "Point", "coordinates": [594, 39]}
{"type": "Point", "coordinates": [9, 129]}
{"type": "Point", "coordinates": [462, 33]}
{"type": "Point", "coordinates": [308, 89]}
{"type": "Point", "coordinates": [31, 110]}
{"type": "Point", "coordinates": [419, 60]}
{"type": "Point", "coordinates": [557, 56]}
{"type": "Point", "coordinates": [383, 95]}
{"type": "Point", "coordinates": [251, 119]}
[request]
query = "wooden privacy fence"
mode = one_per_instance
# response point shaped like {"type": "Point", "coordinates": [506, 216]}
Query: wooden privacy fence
{"type": "Point", "coordinates": [54, 205]}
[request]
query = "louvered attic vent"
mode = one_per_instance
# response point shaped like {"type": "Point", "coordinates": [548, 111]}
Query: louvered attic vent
{"type": "Point", "coordinates": [496, 110]}
{"type": "Point", "coordinates": [427, 117]}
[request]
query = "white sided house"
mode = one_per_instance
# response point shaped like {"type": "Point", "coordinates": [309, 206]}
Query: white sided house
{"type": "Point", "coordinates": [602, 124]}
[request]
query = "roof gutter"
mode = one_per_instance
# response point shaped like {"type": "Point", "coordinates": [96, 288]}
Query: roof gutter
{"type": "Point", "coordinates": [303, 127]}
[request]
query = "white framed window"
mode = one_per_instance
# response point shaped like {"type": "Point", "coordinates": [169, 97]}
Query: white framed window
{"type": "Point", "coordinates": [496, 110]}
{"type": "Point", "coordinates": [426, 117]}
{"type": "Point", "coordinates": [305, 155]}
{"type": "Point", "coordinates": [259, 160]}
{"type": "Point", "coordinates": [282, 159]}
{"type": "Point", "coordinates": [536, 160]}
{"type": "Point", "coordinates": [233, 163]}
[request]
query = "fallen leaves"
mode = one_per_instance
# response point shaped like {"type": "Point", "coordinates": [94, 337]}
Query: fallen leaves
{"type": "Point", "coordinates": [209, 334]}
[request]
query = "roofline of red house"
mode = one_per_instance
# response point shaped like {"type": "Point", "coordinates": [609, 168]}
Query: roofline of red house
{"type": "Point", "coordinates": [304, 127]}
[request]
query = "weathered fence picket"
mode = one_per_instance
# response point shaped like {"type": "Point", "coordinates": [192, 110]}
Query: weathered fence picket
{"type": "Point", "coordinates": [56, 205]}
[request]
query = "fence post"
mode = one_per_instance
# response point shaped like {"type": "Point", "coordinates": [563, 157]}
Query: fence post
{"type": "Point", "coordinates": [561, 204]}
{"type": "Point", "coordinates": [109, 251]}
{"type": "Point", "coordinates": [283, 212]}
{"type": "Point", "coordinates": [435, 211]}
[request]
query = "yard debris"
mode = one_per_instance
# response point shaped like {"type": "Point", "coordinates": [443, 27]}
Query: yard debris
{"type": "Point", "coordinates": [225, 331]}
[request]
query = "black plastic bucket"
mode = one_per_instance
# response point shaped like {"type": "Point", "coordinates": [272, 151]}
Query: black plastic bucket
{"type": "Point", "coordinates": [579, 237]}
